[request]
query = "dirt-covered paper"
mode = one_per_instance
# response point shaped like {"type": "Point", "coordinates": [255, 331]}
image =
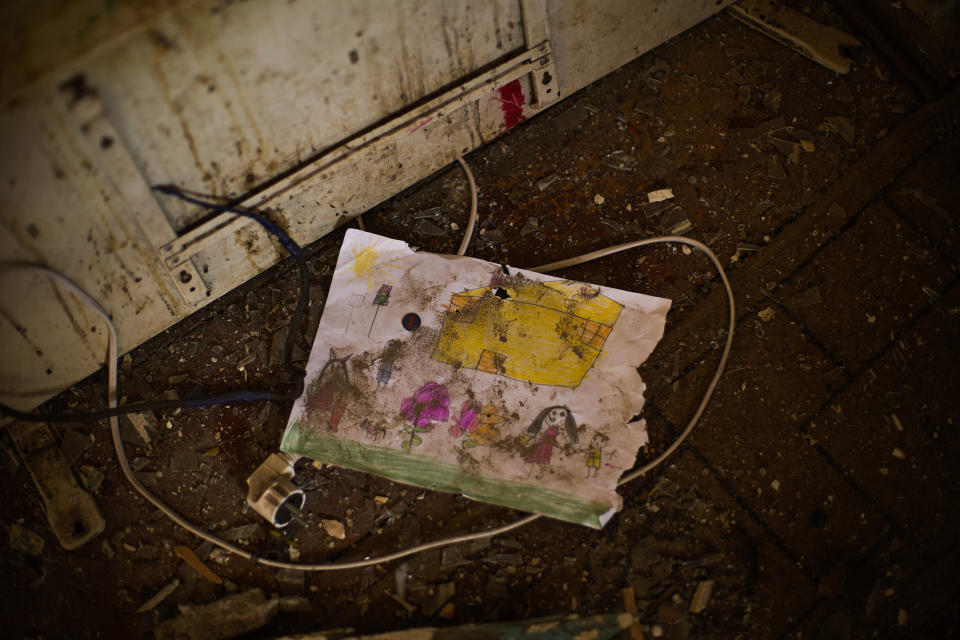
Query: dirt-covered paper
{"type": "Point", "coordinates": [460, 375]}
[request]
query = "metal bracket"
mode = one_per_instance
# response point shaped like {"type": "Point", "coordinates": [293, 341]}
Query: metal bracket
{"type": "Point", "coordinates": [72, 513]}
{"type": "Point", "coordinates": [823, 44]}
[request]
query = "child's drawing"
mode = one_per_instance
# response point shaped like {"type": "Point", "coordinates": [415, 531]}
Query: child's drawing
{"type": "Point", "coordinates": [468, 383]}
{"type": "Point", "coordinates": [481, 426]}
{"type": "Point", "coordinates": [371, 264]}
{"type": "Point", "coordinates": [374, 430]}
{"type": "Point", "coordinates": [328, 394]}
{"type": "Point", "coordinates": [428, 405]}
{"type": "Point", "coordinates": [380, 300]}
{"type": "Point", "coordinates": [549, 422]}
{"type": "Point", "coordinates": [595, 452]}
{"type": "Point", "coordinates": [387, 363]}
{"type": "Point", "coordinates": [542, 332]}
{"type": "Point", "coordinates": [355, 301]}
{"type": "Point", "coordinates": [384, 371]}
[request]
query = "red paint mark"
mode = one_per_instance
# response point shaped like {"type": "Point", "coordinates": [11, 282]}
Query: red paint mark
{"type": "Point", "coordinates": [511, 102]}
{"type": "Point", "coordinates": [422, 124]}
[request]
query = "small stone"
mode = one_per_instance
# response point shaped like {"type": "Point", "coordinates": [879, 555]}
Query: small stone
{"type": "Point", "coordinates": [90, 477]}
{"type": "Point", "coordinates": [840, 125]}
{"type": "Point", "coordinates": [380, 499]}
{"type": "Point", "coordinates": [896, 422]}
{"type": "Point", "coordinates": [230, 616]}
{"type": "Point", "coordinates": [766, 315]}
{"type": "Point", "coordinates": [159, 597]}
{"type": "Point", "coordinates": [775, 169]}
{"type": "Point", "coordinates": [530, 226]}
{"type": "Point", "coordinates": [836, 211]}
{"type": "Point", "coordinates": [25, 541]}
{"type": "Point", "coordinates": [334, 529]}
{"type": "Point", "coordinates": [702, 596]}
{"type": "Point", "coordinates": [599, 199]}
{"type": "Point", "coordinates": [669, 614]}
{"type": "Point", "coordinates": [660, 195]}
{"type": "Point", "coordinates": [686, 250]}
{"type": "Point", "coordinates": [428, 228]}
{"type": "Point", "coordinates": [775, 485]}
{"type": "Point", "coordinates": [898, 453]}
{"type": "Point", "coordinates": [546, 182]}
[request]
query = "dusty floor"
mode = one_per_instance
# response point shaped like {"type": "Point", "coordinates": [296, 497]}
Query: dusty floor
{"type": "Point", "coordinates": [819, 490]}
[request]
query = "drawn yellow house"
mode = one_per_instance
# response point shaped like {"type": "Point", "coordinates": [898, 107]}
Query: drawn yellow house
{"type": "Point", "coordinates": [542, 332]}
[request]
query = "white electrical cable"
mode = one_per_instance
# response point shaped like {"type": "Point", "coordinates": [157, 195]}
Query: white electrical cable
{"type": "Point", "coordinates": [472, 220]}
{"type": "Point", "coordinates": [112, 359]}
{"type": "Point", "coordinates": [732, 319]}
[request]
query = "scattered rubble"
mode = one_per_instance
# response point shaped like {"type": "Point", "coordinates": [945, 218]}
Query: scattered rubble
{"type": "Point", "coordinates": [160, 596]}
{"type": "Point", "coordinates": [25, 541]}
{"type": "Point", "coordinates": [660, 195]}
{"type": "Point", "coordinates": [228, 617]}
{"type": "Point", "coordinates": [334, 528]}
{"type": "Point", "coordinates": [188, 556]}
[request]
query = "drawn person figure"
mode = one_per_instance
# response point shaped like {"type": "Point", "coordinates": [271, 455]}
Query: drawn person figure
{"type": "Point", "coordinates": [595, 453]}
{"type": "Point", "coordinates": [329, 394]}
{"type": "Point", "coordinates": [384, 371]}
{"type": "Point", "coordinates": [546, 427]}
{"type": "Point", "coordinates": [388, 366]}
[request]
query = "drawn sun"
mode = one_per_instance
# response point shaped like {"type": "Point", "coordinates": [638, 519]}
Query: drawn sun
{"type": "Point", "coordinates": [371, 264]}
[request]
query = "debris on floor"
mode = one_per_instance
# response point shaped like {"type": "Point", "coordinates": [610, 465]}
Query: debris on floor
{"type": "Point", "coordinates": [25, 541]}
{"type": "Point", "coordinates": [159, 597]}
{"type": "Point", "coordinates": [821, 43]}
{"type": "Point", "coordinates": [620, 160]}
{"type": "Point", "coordinates": [334, 529]}
{"type": "Point", "coordinates": [797, 463]}
{"type": "Point", "coordinates": [190, 558]}
{"type": "Point", "coordinates": [659, 195]}
{"type": "Point", "coordinates": [229, 617]}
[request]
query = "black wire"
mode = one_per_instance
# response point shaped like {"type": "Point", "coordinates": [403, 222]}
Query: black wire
{"type": "Point", "coordinates": [229, 397]}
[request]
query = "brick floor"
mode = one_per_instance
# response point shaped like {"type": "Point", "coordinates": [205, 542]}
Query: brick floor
{"type": "Point", "coordinates": [872, 279]}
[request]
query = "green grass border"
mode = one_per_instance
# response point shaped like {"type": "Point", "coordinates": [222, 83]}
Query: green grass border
{"type": "Point", "coordinates": [438, 475]}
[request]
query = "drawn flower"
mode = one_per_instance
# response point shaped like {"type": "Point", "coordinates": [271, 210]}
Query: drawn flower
{"type": "Point", "coordinates": [429, 404]}
{"type": "Point", "coordinates": [468, 420]}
